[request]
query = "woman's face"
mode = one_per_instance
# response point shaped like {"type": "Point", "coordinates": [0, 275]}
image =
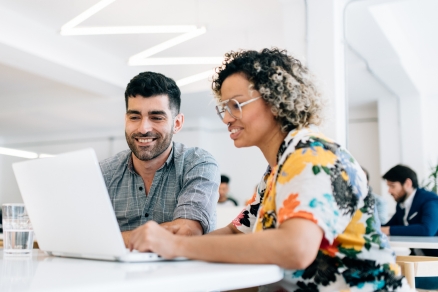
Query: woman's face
{"type": "Point", "coordinates": [257, 124]}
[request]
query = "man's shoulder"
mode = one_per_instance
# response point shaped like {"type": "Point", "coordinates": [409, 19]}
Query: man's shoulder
{"type": "Point", "coordinates": [191, 154]}
{"type": "Point", "coordinates": [427, 195]}
{"type": "Point", "coordinates": [116, 161]}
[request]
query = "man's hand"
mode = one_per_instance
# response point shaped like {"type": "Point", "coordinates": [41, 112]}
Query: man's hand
{"type": "Point", "coordinates": [126, 235]}
{"type": "Point", "coordinates": [385, 230]}
{"type": "Point", "coordinates": [152, 237]}
{"type": "Point", "coordinates": [183, 227]}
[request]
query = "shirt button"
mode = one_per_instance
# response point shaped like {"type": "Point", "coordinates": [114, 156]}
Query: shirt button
{"type": "Point", "coordinates": [146, 215]}
{"type": "Point", "coordinates": [140, 188]}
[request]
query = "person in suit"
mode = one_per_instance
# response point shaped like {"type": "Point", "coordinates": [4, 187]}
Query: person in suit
{"type": "Point", "coordinates": [417, 209]}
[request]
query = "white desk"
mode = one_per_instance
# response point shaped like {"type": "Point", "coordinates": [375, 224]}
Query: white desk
{"type": "Point", "coordinates": [414, 241]}
{"type": "Point", "coordinates": [41, 273]}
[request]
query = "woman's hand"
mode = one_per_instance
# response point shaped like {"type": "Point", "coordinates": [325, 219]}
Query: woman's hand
{"type": "Point", "coordinates": [152, 237]}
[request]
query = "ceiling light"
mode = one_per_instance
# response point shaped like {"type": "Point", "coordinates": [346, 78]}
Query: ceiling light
{"type": "Point", "coordinates": [18, 153]}
{"type": "Point", "coordinates": [194, 78]}
{"type": "Point", "coordinates": [167, 44]}
{"type": "Point", "coordinates": [128, 29]}
{"type": "Point", "coordinates": [142, 58]}
{"type": "Point", "coordinates": [178, 61]}
{"type": "Point", "coordinates": [86, 14]}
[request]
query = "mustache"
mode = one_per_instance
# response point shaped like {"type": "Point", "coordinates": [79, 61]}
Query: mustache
{"type": "Point", "coordinates": [147, 135]}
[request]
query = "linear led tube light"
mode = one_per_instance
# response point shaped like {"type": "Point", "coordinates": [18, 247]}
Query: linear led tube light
{"type": "Point", "coordinates": [87, 14]}
{"type": "Point", "coordinates": [167, 44]}
{"type": "Point", "coordinates": [70, 27]}
{"type": "Point", "coordinates": [97, 30]}
{"type": "Point", "coordinates": [18, 153]}
{"type": "Point", "coordinates": [194, 78]}
{"type": "Point", "coordinates": [178, 61]}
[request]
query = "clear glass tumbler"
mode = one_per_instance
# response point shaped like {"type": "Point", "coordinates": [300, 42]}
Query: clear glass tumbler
{"type": "Point", "coordinates": [17, 230]}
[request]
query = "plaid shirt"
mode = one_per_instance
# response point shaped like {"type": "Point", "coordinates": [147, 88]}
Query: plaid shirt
{"type": "Point", "coordinates": [186, 186]}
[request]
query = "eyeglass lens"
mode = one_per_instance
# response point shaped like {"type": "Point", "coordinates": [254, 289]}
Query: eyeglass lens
{"type": "Point", "coordinates": [233, 108]}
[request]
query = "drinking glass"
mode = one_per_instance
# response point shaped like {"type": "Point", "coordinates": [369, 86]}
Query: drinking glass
{"type": "Point", "coordinates": [17, 230]}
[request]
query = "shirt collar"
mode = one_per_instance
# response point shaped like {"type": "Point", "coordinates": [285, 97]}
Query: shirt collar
{"type": "Point", "coordinates": [295, 135]}
{"type": "Point", "coordinates": [165, 164]}
{"type": "Point", "coordinates": [408, 202]}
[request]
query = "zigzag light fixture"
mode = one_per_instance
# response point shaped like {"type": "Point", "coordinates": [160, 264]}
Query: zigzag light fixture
{"type": "Point", "coordinates": [70, 28]}
{"type": "Point", "coordinates": [143, 58]}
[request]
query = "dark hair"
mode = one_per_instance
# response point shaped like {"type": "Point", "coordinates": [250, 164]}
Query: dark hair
{"type": "Point", "coordinates": [225, 179]}
{"type": "Point", "coordinates": [283, 82]}
{"type": "Point", "coordinates": [148, 84]}
{"type": "Point", "coordinates": [401, 173]}
{"type": "Point", "coordinates": [366, 173]}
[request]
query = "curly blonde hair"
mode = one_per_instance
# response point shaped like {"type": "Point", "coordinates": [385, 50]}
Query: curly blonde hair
{"type": "Point", "coordinates": [283, 82]}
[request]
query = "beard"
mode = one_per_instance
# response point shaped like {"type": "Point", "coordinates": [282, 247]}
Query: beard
{"type": "Point", "coordinates": [146, 153]}
{"type": "Point", "coordinates": [402, 198]}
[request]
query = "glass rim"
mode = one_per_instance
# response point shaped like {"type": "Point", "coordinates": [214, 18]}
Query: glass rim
{"type": "Point", "coordinates": [13, 204]}
{"type": "Point", "coordinates": [225, 106]}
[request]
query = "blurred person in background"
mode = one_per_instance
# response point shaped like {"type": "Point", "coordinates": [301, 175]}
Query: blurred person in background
{"type": "Point", "coordinates": [224, 197]}
{"type": "Point", "coordinates": [417, 209]}
{"type": "Point", "coordinates": [381, 205]}
{"type": "Point", "coordinates": [312, 214]}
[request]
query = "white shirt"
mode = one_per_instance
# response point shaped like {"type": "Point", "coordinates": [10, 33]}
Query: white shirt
{"type": "Point", "coordinates": [407, 206]}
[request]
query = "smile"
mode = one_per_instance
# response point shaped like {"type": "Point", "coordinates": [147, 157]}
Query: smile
{"type": "Point", "coordinates": [145, 140]}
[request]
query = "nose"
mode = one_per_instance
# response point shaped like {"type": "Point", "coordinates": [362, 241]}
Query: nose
{"type": "Point", "coordinates": [228, 118]}
{"type": "Point", "coordinates": [144, 126]}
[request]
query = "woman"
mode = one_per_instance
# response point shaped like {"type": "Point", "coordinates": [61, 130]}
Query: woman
{"type": "Point", "coordinates": [311, 214]}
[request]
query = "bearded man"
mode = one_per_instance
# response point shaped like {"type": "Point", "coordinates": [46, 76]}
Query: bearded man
{"type": "Point", "coordinates": [417, 209]}
{"type": "Point", "coordinates": [158, 179]}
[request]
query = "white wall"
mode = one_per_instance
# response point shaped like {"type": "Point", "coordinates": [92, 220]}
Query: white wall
{"type": "Point", "coordinates": [363, 141]}
{"type": "Point", "coordinates": [430, 137]}
{"type": "Point", "coordinates": [430, 131]}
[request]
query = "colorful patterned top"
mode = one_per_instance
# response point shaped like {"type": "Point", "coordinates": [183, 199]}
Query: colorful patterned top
{"type": "Point", "coordinates": [318, 180]}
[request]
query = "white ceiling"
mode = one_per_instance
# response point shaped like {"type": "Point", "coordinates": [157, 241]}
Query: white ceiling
{"type": "Point", "coordinates": [52, 84]}
{"type": "Point", "coordinates": [392, 49]}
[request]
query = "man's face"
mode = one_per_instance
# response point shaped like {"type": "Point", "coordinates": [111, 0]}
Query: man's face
{"type": "Point", "coordinates": [223, 191]}
{"type": "Point", "coordinates": [149, 126]}
{"type": "Point", "coordinates": [397, 191]}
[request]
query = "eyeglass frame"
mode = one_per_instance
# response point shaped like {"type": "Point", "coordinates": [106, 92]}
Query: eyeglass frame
{"type": "Point", "coordinates": [229, 110]}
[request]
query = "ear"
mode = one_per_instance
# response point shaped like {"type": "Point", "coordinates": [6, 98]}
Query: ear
{"type": "Point", "coordinates": [407, 184]}
{"type": "Point", "coordinates": [178, 122]}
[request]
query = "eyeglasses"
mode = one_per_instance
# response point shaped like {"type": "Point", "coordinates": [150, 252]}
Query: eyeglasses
{"type": "Point", "coordinates": [233, 107]}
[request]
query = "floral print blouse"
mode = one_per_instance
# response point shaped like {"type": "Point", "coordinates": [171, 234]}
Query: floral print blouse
{"type": "Point", "coordinates": [318, 180]}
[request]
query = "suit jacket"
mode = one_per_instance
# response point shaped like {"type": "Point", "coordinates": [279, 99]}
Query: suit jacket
{"type": "Point", "coordinates": [422, 218]}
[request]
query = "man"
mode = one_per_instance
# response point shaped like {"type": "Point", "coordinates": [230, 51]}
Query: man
{"type": "Point", "coordinates": [417, 209]}
{"type": "Point", "coordinates": [158, 179]}
{"type": "Point", "coordinates": [224, 199]}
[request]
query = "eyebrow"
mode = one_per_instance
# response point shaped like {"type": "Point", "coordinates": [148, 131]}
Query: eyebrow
{"type": "Point", "coordinates": [133, 112]}
{"type": "Point", "coordinates": [153, 112]}
{"type": "Point", "coordinates": [158, 112]}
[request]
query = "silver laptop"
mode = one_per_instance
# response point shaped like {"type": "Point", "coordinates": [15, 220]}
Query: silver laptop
{"type": "Point", "coordinates": [70, 209]}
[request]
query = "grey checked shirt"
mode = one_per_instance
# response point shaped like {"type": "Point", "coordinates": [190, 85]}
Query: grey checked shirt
{"type": "Point", "coordinates": [186, 186]}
